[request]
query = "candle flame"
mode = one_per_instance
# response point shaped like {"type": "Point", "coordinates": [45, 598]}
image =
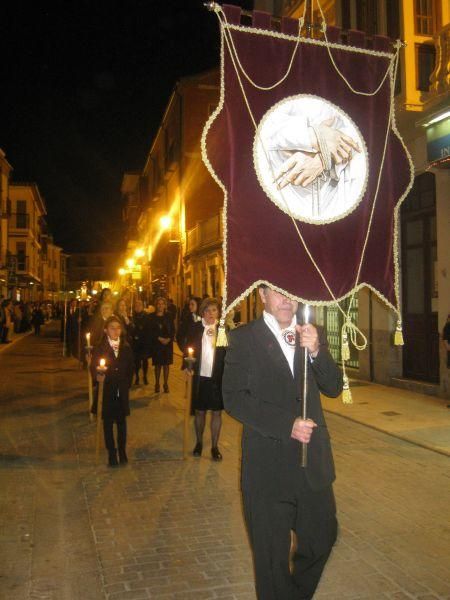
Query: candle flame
{"type": "Point", "coordinates": [190, 352]}
{"type": "Point", "coordinates": [102, 362]}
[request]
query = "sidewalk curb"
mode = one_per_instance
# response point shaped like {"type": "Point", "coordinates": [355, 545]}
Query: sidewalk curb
{"type": "Point", "coordinates": [405, 438]}
{"type": "Point", "coordinates": [16, 339]}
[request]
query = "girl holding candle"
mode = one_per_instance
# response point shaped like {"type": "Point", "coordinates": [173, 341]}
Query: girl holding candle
{"type": "Point", "coordinates": [208, 369]}
{"type": "Point", "coordinates": [118, 375]}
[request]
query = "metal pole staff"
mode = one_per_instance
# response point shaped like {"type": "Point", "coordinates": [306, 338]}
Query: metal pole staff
{"type": "Point", "coordinates": [80, 361]}
{"type": "Point", "coordinates": [88, 349]}
{"type": "Point", "coordinates": [189, 361]}
{"type": "Point", "coordinates": [65, 327]}
{"type": "Point", "coordinates": [304, 447]}
{"type": "Point", "coordinates": [101, 370]}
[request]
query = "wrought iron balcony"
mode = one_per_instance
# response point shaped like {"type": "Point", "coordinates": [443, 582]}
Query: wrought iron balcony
{"type": "Point", "coordinates": [440, 78]}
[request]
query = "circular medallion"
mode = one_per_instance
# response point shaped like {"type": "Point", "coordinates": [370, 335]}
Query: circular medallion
{"type": "Point", "coordinates": [311, 159]}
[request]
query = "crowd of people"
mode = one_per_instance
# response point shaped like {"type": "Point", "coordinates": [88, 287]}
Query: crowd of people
{"type": "Point", "coordinates": [19, 317]}
{"type": "Point", "coordinates": [117, 329]}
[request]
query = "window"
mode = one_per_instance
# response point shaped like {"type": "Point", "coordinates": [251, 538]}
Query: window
{"type": "Point", "coordinates": [426, 17]}
{"type": "Point", "coordinates": [426, 58]}
{"type": "Point", "coordinates": [367, 16]}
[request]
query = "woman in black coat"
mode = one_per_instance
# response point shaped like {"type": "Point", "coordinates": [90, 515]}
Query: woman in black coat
{"type": "Point", "coordinates": [189, 317]}
{"type": "Point", "coordinates": [207, 376]}
{"type": "Point", "coordinates": [162, 334]}
{"type": "Point", "coordinates": [118, 377]}
{"type": "Point", "coordinates": [141, 340]}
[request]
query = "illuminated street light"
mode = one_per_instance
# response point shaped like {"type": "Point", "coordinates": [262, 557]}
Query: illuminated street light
{"type": "Point", "coordinates": [139, 253]}
{"type": "Point", "coordinates": [130, 263]}
{"type": "Point", "coordinates": [122, 271]}
{"type": "Point", "coordinates": [165, 222]}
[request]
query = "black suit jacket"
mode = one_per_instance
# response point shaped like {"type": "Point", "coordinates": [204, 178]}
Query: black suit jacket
{"type": "Point", "coordinates": [260, 391]}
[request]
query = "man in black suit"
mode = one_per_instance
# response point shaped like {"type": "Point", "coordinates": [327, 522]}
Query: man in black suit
{"type": "Point", "coordinates": [262, 385]}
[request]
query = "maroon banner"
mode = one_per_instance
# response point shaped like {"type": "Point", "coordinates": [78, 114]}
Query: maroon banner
{"type": "Point", "coordinates": [308, 158]}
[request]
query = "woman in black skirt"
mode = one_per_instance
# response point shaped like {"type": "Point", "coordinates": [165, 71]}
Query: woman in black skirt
{"type": "Point", "coordinates": [162, 333]}
{"type": "Point", "coordinates": [207, 376]}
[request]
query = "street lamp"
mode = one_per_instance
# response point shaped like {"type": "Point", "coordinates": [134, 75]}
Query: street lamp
{"type": "Point", "coordinates": [130, 263]}
{"type": "Point", "coordinates": [139, 253]}
{"type": "Point", "coordinates": [122, 271]}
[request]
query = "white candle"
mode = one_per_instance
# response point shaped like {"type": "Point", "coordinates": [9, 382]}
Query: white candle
{"type": "Point", "coordinates": [190, 352]}
{"type": "Point", "coordinates": [102, 363]}
{"type": "Point", "coordinates": [88, 339]}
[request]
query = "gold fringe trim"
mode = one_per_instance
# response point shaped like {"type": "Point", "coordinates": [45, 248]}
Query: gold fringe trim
{"type": "Point", "coordinates": [345, 349]}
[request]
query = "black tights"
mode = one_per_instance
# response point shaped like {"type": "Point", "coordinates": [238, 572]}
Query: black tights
{"type": "Point", "coordinates": [165, 374]}
{"type": "Point", "coordinates": [216, 424]}
{"type": "Point", "coordinates": [137, 365]}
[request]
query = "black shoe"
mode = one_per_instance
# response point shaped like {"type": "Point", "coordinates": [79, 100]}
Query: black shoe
{"type": "Point", "coordinates": [215, 453]}
{"type": "Point", "coordinates": [145, 381]}
{"type": "Point", "coordinates": [166, 388]}
{"type": "Point", "coordinates": [157, 388]}
{"type": "Point", "coordinates": [198, 449]}
{"type": "Point", "coordinates": [123, 458]}
{"type": "Point", "coordinates": [112, 461]}
{"type": "Point", "coordinates": [136, 381]}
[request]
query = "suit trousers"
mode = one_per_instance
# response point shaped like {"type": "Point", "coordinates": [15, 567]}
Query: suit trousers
{"type": "Point", "coordinates": [121, 423]}
{"type": "Point", "coordinates": [270, 518]}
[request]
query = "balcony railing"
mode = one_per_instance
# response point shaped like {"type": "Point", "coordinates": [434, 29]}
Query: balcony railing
{"type": "Point", "coordinates": [440, 78]}
{"type": "Point", "coordinates": [19, 221]}
{"type": "Point", "coordinates": [204, 234]}
{"type": "Point", "coordinates": [18, 263]}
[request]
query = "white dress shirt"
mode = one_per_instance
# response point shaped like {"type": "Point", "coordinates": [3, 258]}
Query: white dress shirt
{"type": "Point", "coordinates": [285, 337]}
{"type": "Point", "coordinates": [208, 347]}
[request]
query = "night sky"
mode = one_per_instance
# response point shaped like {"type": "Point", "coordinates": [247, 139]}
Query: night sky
{"type": "Point", "coordinates": [84, 84]}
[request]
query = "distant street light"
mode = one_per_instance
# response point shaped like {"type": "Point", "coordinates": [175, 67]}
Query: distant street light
{"type": "Point", "coordinates": [130, 263]}
{"type": "Point", "coordinates": [139, 253]}
{"type": "Point", "coordinates": [122, 271]}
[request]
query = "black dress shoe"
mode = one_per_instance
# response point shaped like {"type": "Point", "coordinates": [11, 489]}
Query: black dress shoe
{"type": "Point", "coordinates": [157, 388]}
{"type": "Point", "coordinates": [198, 449]}
{"type": "Point", "coordinates": [215, 453]}
{"type": "Point", "coordinates": [112, 459]}
{"type": "Point", "coordinates": [136, 381]}
{"type": "Point", "coordinates": [123, 458]}
{"type": "Point", "coordinates": [166, 388]}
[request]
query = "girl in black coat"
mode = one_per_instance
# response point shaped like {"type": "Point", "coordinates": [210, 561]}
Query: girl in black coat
{"type": "Point", "coordinates": [208, 369]}
{"type": "Point", "coordinates": [141, 340]}
{"type": "Point", "coordinates": [162, 334]}
{"type": "Point", "coordinates": [117, 381]}
{"type": "Point", "coordinates": [188, 318]}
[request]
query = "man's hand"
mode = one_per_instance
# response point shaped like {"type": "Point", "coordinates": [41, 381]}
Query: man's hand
{"type": "Point", "coordinates": [100, 377]}
{"type": "Point", "coordinates": [339, 144]}
{"type": "Point", "coordinates": [302, 430]}
{"type": "Point", "coordinates": [309, 338]}
{"type": "Point", "coordinates": [299, 169]}
{"type": "Point", "coordinates": [164, 341]}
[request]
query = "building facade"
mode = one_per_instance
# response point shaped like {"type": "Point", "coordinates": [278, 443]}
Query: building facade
{"type": "Point", "coordinates": [5, 170]}
{"type": "Point", "coordinates": [89, 272]}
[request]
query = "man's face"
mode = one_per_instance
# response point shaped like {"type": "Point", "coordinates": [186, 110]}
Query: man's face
{"type": "Point", "coordinates": [113, 330]}
{"type": "Point", "coordinates": [106, 311]}
{"type": "Point", "coordinates": [281, 307]}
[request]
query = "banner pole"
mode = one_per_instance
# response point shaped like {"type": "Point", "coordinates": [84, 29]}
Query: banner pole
{"type": "Point", "coordinates": [101, 370]}
{"type": "Point", "coordinates": [304, 447]}
{"type": "Point", "coordinates": [189, 361]}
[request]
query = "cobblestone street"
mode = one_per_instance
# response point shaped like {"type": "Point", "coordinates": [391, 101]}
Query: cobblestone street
{"type": "Point", "coordinates": [165, 528]}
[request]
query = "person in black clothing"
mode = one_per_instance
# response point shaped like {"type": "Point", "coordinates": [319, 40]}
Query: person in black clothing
{"type": "Point", "coordinates": [162, 333]}
{"type": "Point", "coordinates": [37, 319]}
{"type": "Point", "coordinates": [127, 322]}
{"type": "Point", "coordinates": [141, 341]}
{"type": "Point", "coordinates": [208, 369]}
{"type": "Point", "coordinates": [446, 339]}
{"type": "Point", "coordinates": [262, 383]}
{"type": "Point", "coordinates": [117, 382]}
{"type": "Point", "coordinates": [188, 319]}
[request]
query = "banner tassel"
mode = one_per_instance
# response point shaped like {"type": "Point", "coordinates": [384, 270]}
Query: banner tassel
{"type": "Point", "coordinates": [222, 340]}
{"type": "Point", "coordinates": [345, 348]}
{"type": "Point", "coordinates": [346, 392]}
{"type": "Point", "coordinates": [398, 336]}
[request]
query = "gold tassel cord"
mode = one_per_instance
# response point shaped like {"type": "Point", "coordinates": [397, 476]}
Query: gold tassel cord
{"type": "Point", "coordinates": [398, 336]}
{"type": "Point", "coordinates": [222, 340]}
{"type": "Point", "coordinates": [346, 392]}
{"type": "Point", "coordinates": [345, 349]}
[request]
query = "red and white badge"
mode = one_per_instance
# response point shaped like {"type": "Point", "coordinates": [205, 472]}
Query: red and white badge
{"type": "Point", "coordinates": [289, 337]}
